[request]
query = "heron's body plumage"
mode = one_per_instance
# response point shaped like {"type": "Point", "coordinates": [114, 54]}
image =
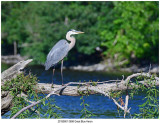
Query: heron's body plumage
{"type": "Point", "coordinates": [57, 53]}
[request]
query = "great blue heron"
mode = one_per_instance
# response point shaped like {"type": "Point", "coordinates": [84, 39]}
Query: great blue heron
{"type": "Point", "coordinates": [60, 50]}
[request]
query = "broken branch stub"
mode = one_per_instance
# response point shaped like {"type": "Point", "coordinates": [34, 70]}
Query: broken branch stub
{"type": "Point", "coordinates": [13, 71]}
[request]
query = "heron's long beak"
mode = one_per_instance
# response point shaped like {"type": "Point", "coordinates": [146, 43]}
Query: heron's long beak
{"type": "Point", "coordinates": [79, 32]}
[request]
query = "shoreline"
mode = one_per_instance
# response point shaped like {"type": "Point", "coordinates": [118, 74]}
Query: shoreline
{"type": "Point", "coordinates": [13, 59]}
{"type": "Point", "coordinates": [102, 67]}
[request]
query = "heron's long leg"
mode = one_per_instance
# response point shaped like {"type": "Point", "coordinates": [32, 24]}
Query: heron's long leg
{"type": "Point", "coordinates": [62, 70]}
{"type": "Point", "coordinates": [53, 75]}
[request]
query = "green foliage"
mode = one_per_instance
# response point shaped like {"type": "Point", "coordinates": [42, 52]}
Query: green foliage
{"type": "Point", "coordinates": [131, 30]}
{"type": "Point", "coordinates": [94, 83]}
{"type": "Point", "coordinates": [127, 28]}
{"type": "Point", "coordinates": [85, 112]}
{"type": "Point", "coordinates": [150, 107]}
{"type": "Point", "coordinates": [26, 84]}
{"type": "Point", "coordinates": [49, 110]}
{"type": "Point", "coordinates": [116, 94]}
{"type": "Point", "coordinates": [20, 84]}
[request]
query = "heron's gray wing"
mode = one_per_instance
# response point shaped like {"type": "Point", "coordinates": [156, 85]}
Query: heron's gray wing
{"type": "Point", "coordinates": [57, 53]}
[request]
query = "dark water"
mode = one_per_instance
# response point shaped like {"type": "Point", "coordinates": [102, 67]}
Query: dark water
{"type": "Point", "coordinates": [102, 106]}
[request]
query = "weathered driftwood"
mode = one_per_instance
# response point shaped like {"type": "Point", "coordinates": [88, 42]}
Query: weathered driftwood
{"type": "Point", "coordinates": [6, 102]}
{"type": "Point", "coordinates": [14, 70]}
{"type": "Point", "coordinates": [103, 86]}
{"type": "Point", "coordinates": [6, 98]}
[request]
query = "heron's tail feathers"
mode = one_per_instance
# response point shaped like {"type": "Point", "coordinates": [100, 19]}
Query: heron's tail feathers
{"type": "Point", "coordinates": [46, 66]}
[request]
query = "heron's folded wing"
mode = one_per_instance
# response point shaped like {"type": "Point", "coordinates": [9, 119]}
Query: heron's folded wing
{"type": "Point", "coordinates": [57, 53]}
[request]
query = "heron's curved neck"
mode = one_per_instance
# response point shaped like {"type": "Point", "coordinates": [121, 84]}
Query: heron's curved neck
{"type": "Point", "coordinates": [72, 39]}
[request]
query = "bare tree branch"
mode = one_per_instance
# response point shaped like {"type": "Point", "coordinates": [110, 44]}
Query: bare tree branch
{"type": "Point", "coordinates": [126, 103]}
{"type": "Point", "coordinates": [35, 103]}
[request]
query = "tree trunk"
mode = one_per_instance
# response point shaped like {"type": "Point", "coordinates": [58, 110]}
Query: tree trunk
{"type": "Point", "coordinates": [15, 48]}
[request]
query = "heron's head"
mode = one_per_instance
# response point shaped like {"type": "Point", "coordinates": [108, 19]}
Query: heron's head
{"type": "Point", "coordinates": [72, 31]}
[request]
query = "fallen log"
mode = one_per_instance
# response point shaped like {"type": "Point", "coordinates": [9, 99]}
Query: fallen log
{"type": "Point", "coordinates": [46, 88]}
{"type": "Point", "coordinates": [74, 90]}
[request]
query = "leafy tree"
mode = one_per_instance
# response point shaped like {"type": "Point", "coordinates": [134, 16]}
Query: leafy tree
{"type": "Point", "coordinates": [131, 30]}
{"type": "Point", "coordinates": [127, 28]}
